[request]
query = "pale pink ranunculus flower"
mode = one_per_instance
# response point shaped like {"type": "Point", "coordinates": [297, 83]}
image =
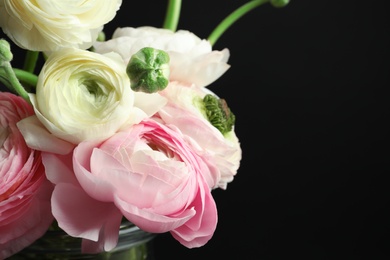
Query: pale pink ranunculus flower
{"type": "Point", "coordinates": [25, 212]}
{"type": "Point", "coordinates": [185, 111]}
{"type": "Point", "coordinates": [146, 173]}
{"type": "Point", "coordinates": [49, 25]}
{"type": "Point", "coordinates": [192, 60]}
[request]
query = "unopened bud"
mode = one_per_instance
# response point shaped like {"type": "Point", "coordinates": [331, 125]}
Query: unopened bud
{"type": "Point", "coordinates": [279, 3]}
{"type": "Point", "coordinates": [5, 51]}
{"type": "Point", "coordinates": [148, 70]}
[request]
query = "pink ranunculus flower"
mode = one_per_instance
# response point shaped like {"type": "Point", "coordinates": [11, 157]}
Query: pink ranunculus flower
{"type": "Point", "coordinates": [185, 110]}
{"type": "Point", "coordinates": [192, 60]}
{"type": "Point", "coordinates": [146, 173]}
{"type": "Point", "coordinates": [25, 212]}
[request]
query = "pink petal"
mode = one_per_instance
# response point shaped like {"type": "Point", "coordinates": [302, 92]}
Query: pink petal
{"type": "Point", "coordinates": [150, 221]}
{"type": "Point", "coordinates": [23, 231]}
{"type": "Point", "coordinates": [79, 215]}
{"type": "Point", "coordinates": [59, 168]}
{"type": "Point", "coordinates": [200, 229]}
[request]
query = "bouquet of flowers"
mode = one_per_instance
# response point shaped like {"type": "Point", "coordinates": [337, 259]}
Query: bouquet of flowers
{"type": "Point", "coordinates": [110, 128]}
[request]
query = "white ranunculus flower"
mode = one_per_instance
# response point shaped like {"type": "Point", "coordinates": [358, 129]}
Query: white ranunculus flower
{"type": "Point", "coordinates": [192, 60]}
{"type": "Point", "coordinates": [83, 95]}
{"type": "Point", "coordinates": [48, 25]}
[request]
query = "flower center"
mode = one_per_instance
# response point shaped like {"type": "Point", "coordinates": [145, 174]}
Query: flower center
{"type": "Point", "coordinates": [93, 88]}
{"type": "Point", "coordinates": [219, 114]}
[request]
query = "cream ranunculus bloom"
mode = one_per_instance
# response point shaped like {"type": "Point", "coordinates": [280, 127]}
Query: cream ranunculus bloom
{"type": "Point", "coordinates": [192, 60]}
{"type": "Point", "coordinates": [48, 25]}
{"type": "Point", "coordinates": [83, 95]}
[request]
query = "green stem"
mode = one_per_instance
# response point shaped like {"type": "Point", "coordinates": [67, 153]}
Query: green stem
{"type": "Point", "coordinates": [26, 77]}
{"type": "Point", "coordinates": [172, 15]}
{"type": "Point", "coordinates": [30, 61]}
{"type": "Point", "coordinates": [232, 18]}
{"type": "Point", "coordinates": [3, 78]}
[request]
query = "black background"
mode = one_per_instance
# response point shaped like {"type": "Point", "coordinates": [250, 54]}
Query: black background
{"type": "Point", "coordinates": [308, 86]}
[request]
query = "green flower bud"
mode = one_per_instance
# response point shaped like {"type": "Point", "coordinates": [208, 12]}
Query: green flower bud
{"type": "Point", "coordinates": [218, 113]}
{"type": "Point", "coordinates": [5, 51]}
{"type": "Point", "coordinates": [279, 3]}
{"type": "Point", "coordinates": [148, 70]}
{"type": "Point", "coordinates": [101, 37]}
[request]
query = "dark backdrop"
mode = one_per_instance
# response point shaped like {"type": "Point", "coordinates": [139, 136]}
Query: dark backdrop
{"type": "Point", "coordinates": [308, 86]}
{"type": "Point", "coordinates": [307, 83]}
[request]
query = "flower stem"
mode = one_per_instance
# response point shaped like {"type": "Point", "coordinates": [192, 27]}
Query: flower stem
{"type": "Point", "coordinates": [30, 61]}
{"type": "Point", "coordinates": [7, 74]}
{"type": "Point", "coordinates": [238, 13]}
{"type": "Point", "coordinates": [232, 18]}
{"type": "Point", "coordinates": [26, 77]}
{"type": "Point", "coordinates": [9, 77]}
{"type": "Point", "coordinates": [172, 15]}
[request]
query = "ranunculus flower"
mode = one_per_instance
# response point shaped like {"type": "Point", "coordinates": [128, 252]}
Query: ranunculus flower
{"type": "Point", "coordinates": [192, 60]}
{"type": "Point", "coordinates": [49, 25]}
{"type": "Point", "coordinates": [186, 111]}
{"type": "Point", "coordinates": [146, 173]}
{"type": "Point", "coordinates": [82, 95]}
{"type": "Point", "coordinates": [24, 190]}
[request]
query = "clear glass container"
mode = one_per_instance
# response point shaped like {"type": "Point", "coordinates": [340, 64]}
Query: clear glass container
{"type": "Point", "coordinates": [133, 244]}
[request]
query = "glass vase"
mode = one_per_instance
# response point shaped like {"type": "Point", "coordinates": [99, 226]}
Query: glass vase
{"type": "Point", "coordinates": [133, 244]}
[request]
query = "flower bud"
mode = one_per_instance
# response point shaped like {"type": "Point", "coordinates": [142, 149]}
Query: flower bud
{"type": "Point", "coordinates": [5, 51]}
{"type": "Point", "coordinates": [101, 37]}
{"type": "Point", "coordinates": [148, 70]}
{"type": "Point", "coordinates": [218, 113]}
{"type": "Point", "coordinates": [279, 3]}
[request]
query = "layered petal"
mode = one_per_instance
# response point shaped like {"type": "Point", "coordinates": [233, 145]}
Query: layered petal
{"type": "Point", "coordinates": [82, 95]}
{"type": "Point", "coordinates": [25, 211]}
{"type": "Point", "coordinates": [154, 178]}
{"type": "Point", "coordinates": [79, 215]}
{"type": "Point", "coordinates": [49, 25]}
